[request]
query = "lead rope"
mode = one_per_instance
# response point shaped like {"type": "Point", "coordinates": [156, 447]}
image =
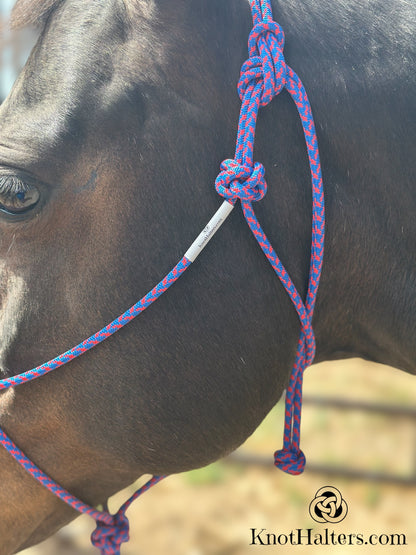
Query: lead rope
{"type": "Point", "coordinates": [263, 76]}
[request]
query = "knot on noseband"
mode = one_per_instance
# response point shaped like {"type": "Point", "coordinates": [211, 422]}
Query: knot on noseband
{"type": "Point", "coordinates": [291, 461]}
{"type": "Point", "coordinates": [109, 537]}
{"type": "Point", "coordinates": [240, 181]}
{"type": "Point", "coordinates": [266, 63]}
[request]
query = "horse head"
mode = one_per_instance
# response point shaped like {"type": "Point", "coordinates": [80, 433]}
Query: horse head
{"type": "Point", "coordinates": [110, 142]}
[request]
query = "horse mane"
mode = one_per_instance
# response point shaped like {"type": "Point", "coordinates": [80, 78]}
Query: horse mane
{"type": "Point", "coordinates": [31, 12]}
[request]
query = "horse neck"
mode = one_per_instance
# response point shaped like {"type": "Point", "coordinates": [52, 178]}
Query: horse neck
{"type": "Point", "coordinates": [360, 310]}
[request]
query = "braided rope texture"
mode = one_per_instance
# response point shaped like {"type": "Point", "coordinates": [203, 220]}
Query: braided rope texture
{"type": "Point", "coordinates": [104, 333]}
{"type": "Point", "coordinates": [263, 76]}
{"type": "Point", "coordinates": [112, 530]}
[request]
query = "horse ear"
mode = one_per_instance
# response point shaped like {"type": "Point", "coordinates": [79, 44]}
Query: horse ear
{"type": "Point", "coordinates": [31, 12]}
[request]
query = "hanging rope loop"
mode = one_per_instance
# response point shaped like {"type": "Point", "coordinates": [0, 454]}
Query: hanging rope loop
{"type": "Point", "coordinates": [109, 537]}
{"type": "Point", "coordinates": [262, 77]}
{"type": "Point", "coordinates": [266, 64]}
{"type": "Point", "coordinates": [241, 181]}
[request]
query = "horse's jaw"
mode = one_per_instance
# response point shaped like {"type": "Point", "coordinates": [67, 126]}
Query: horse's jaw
{"type": "Point", "coordinates": [30, 513]}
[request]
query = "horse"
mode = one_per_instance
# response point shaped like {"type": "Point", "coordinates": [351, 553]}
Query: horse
{"type": "Point", "coordinates": [114, 132]}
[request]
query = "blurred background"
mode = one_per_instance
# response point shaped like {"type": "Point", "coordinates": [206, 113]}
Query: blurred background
{"type": "Point", "coordinates": [358, 434]}
{"type": "Point", "coordinates": [14, 48]}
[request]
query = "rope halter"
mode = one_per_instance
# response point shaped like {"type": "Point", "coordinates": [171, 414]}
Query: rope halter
{"type": "Point", "coordinates": [263, 76]}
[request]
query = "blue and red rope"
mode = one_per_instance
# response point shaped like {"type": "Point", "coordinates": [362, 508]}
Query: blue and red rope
{"type": "Point", "coordinates": [263, 76]}
{"type": "Point", "coordinates": [102, 334]}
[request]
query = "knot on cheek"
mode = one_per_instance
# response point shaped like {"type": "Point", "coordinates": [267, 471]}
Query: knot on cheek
{"type": "Point", "coordinates": [239, 181]}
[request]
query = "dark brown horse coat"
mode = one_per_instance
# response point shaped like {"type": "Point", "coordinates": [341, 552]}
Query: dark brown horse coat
{"type": "Point", "coordinates": [115, 131]}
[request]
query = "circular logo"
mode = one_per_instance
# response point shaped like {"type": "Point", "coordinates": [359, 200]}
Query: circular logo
{"type": "Point", "coordinates": [328, 506]}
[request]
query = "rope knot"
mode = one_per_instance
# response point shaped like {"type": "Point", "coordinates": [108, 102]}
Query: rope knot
{"type": "Point", "coordinates": [291, 461]}
{"type": "Point", "coordinates": [240, 181]}
{"type": "Point", "coordinates": [109, 537]}
{"type": "Point", "coordinates": [266, 63]}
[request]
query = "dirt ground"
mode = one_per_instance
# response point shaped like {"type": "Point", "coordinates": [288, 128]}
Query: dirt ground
{"type": "Point", "coordinates": [212, 511]}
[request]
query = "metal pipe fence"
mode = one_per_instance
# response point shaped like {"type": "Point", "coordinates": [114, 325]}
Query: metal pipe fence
{"type": "Point", "coordinates": [392, 411]}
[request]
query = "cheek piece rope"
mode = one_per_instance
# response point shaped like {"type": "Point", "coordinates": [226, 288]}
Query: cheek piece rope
{"type": "Point", "coordinates": [263, 76]}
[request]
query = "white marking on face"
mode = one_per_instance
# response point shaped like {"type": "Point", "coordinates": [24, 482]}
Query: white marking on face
{"type": "Point", "coordinates": [12, 295]}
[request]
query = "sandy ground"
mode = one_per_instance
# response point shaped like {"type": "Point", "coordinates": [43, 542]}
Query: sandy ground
{"type": "Point", "coordinates": [212, 511]}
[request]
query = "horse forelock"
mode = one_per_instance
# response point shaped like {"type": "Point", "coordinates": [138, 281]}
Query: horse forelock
{"type": "Point", "coordinates": [31, 12]}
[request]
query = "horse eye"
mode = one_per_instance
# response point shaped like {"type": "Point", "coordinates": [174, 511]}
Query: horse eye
{"type": "Point", "coordinates": [18, 199]}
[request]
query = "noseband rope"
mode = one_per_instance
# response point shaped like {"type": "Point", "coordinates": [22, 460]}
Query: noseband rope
{"type": "Point", "coordinates": [263, 76]}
